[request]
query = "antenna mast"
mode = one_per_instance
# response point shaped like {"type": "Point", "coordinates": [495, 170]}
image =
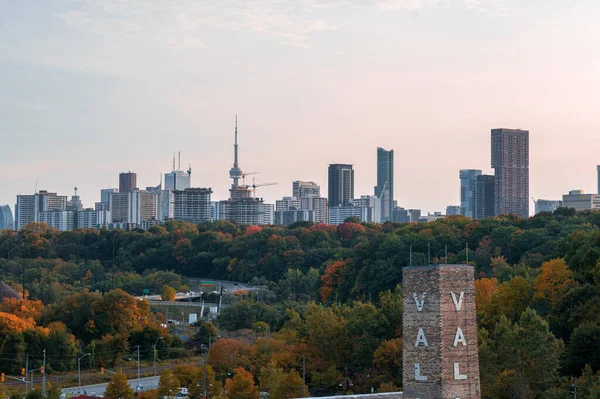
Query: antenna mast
{"type": "Point", "coordinates": [179, 162]}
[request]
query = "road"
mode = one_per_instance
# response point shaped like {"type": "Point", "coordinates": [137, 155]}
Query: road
{"type": "Point", "coordinates": [98, 389]}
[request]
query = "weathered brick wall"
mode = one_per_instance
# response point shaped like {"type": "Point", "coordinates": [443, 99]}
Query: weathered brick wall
{"type": "Point", "coordinates": [440, 355]}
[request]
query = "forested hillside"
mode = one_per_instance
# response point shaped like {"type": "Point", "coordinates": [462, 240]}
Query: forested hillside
{"type": "Point", "coordinates": [538, 287]}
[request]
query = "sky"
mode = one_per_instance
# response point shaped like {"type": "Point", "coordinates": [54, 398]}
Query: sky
{"type": "Point", "coordinates": [91, 88]}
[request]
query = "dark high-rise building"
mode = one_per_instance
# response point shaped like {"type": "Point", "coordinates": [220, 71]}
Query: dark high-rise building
{"type": "Point", "coordinates": [468, 177]}
{"type": "Point", "coordinates": [598, 167]}
{"type": "Point", "coordinates": [485, 197]}
{"type": "Point", "coordinates": [127, 182]}
{"type": "Point", "coordinates": [340, 185]}
{"type": "Point", "coordinates": [510, 160]}
{"type": "Point", "coordinates": [385, 183]}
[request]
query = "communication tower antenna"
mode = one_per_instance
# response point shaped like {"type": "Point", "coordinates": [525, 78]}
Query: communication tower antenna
{"type": "Point", "coordinates": [179, 163]}
{"type": "Point", "coordinates": [173, 162]}
{"type": "Point", "coordinates": [36, 184]}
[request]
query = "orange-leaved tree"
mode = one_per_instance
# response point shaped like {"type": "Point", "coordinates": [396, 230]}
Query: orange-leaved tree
{"type": "Point", "coordinates": [332, 278]}
{"type": "Point", "coordinates": [554, 280]}
{"type": "Point", "coordinates": [241, 386]}
{"type": "Point", "coordinates": [485, 288]}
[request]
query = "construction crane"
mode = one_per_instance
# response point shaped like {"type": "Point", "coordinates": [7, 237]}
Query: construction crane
{"type": "Point", "coordinates": [244, 177]}
{"type": "Point", "coordinates": [254, 186]}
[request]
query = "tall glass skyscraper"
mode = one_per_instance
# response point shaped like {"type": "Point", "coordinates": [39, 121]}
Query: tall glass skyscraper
{"type": "Point", "coordinates": [468, 179]}
{"type": "Point", "coordinates": [6, 218]}
{"type": "Point", "coordinates": [384, 190]}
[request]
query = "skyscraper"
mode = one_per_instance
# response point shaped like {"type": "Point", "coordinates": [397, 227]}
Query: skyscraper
{"type": "Point", "coordinates": [485, 197]}
{"type": "Point", "coordinates": [468, 177]}
{"type": "Point", "coordinates": [510, 160]}
{"type": "Point", "coordinates": [598, 167]}
{"type": "Point", "coordinates": [6, 218]}
{"type": "Point", "coordinates": [177, 179]}
{"type": "Point", "coordinates": [385, 183]}
{"type": "Point", "coordinates": [127, 182]}
{"type": "Point", "coordinates": [340, 185]}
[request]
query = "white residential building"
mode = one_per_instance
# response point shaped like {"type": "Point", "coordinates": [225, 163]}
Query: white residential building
{"type": "Point", "coordinates": [92, 219]}
{"type": "Point", "coordinates": [133, 207]}
{"type": "Point", "coordinates": [28, 207]}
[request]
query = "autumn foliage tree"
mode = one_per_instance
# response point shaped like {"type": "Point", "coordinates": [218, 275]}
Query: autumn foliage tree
{"type": "Point", "coordinates": [118, 388]}
{"type": "Point", "coordinates": [241, 386]}
{"type": "Point", "coordinates": [554, 280]}
{"type": "Point", "coordinates": [332, 279]}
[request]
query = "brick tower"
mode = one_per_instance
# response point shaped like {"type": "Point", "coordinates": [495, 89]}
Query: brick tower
{"type": "Point", "coordinates": [440, 333]}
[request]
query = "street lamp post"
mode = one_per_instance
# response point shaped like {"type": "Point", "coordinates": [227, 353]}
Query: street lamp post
{"type": "Point", "coordinates": [79, 366]}
{"type": "Point", "coordinates": [159, 338]}
{"type": "Point", "coordinates": [204, 379]}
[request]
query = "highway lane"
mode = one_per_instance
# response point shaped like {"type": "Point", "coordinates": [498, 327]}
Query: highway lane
{"type": "Point", "coordinates": [98, 389]}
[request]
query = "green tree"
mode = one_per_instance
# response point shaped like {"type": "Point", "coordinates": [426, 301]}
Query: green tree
{"type": "Point", "coordinates": [118, 388]}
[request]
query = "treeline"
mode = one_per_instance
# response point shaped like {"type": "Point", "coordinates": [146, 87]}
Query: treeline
{"type": "Point", "coordinates": [106, 326]}
{"type": "Point", "coordinates": [538, 287]}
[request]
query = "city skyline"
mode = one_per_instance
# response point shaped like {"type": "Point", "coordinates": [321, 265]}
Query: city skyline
{"type": "Point", "coordinates": [132, 88]}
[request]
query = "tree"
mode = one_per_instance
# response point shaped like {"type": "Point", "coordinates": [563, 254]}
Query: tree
{"type": "Point", "coordinates": [388, 361]}
{"type": "Point", "coordinates": [118, 388]}
{"type": "Point", "coordinates": [168, 293]}
{"type": "Point", "coordinates": [168, 384]}
{"type": "Point", "coordinates": [214, 388]}
{"type": "Point", "coordinates": [554, 281]}
{"type": "Point", "coordinates": [279, 384]}
{"type": "Point", "coordinates": [241, 386]}
{"type": "Point", "coordinates": [520, 359]}
{"type": "Point", "coordinates": [583, 349]}
{"type": "Point", "coordinates": [207, 332]}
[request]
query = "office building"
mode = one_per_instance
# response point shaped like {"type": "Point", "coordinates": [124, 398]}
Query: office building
{"type": "Point", "coordinates": [305, 189]}
{"type": "Point", "coordinates": [576, 199]}
{"type": "Point", "coordinates": [367, 208]}
{"type": "Point", "coordinates": [241, 207]}
{"type": "Point", "coordinates": [340, 185]}
{"type": "Point", "coordinates": [127, 182]}
{"type": "Point", "coordinates": [58, 220]}
{"type": "Point", "coordinates": [6, 218]}
{"type": "Point", "coordinates": [92, 219]}
{"type": "Point", "coordinates": [177, 179]}
{"type": "Point", "coordinates": [385, 183]}
{"type": "Point", "coordinates": [252, 211]}
{"type": "Point", "coordinates": [510, 160]}
{"type": "Point", "coordinates": [414, 215]}
{"type": "Point", "coordinates": [318, 205]}
{"type": "Point", "coordinates": [401, 215]}
{"type": "Point", "coordinates": [468, 178]}
{"type": "Point", "coordinates": [105, 194]}
{"type": "Point", "coordinates": [133, 207]}
{"type": "Point", "coordinates": [452, 210]}
{"type": "Point", "coordinates": [287, 203]}
{"type": "Point", "coordinates": [165, 203]}
{"type": "Point", "coordinates": [598, 171]}
{"type": "Point", "coordinates": [291, 216]}
{"type": "Point", "coordinates": [546, 205]}
{"type": "Point", "coordinates": [75, 203]}
{"type": "Point", "coordinates": [485, 196]}
{"type": "Point", "coordinates": [192, 205]}
{"type": "Point", "coordinates": [28, 207]}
